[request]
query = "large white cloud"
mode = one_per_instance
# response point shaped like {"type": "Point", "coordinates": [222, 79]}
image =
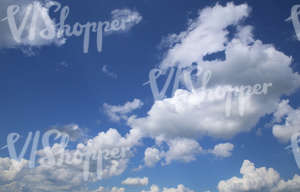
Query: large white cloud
{"type": "Point", "coordinates": [190, 113]}
{"type": "Point", "coordinates": [258, 180]}
{"type": "Point", "coordinates": [205, 34]}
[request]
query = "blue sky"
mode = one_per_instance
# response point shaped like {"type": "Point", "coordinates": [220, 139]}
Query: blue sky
{"type": "Point", "coordinates": [46, 85]}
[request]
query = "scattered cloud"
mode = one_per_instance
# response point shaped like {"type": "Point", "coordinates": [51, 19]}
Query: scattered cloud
{"type": "Point", "coordinates": [291, 121]}
{"type": "Point", "coordinates": [182, 149]}
{"type": "Point", "coordinates": [152, 156]}
{"type": "Point", "coordinates": [258, 180]}
{"type": "Point", "coordinates": [223, 150]}
{"type": "Point", "coordinates": [108, 72]}
{"type": "Point", "coordinates": [118, 112]}
{"type": "Point", "coordinates": [136, 181]}
{"type": "Point", "coordinates": [129, 18]}
{"type": "Point", "coordinates": [180, 188]}
{"type": "Point", "coordinates": [67, 169]}
{"type": "Point", "coordinates": [153, 188]}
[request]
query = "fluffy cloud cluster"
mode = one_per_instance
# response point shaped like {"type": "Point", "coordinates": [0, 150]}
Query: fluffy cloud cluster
{"type": "Point", "coordinates": [184, 150]}
{"type": "Point", "coordinates": [16, 176]}
{"type": "Point", "coordinates": [116, 150]}
{"type": "Point", "coordinates": [180, 149]}
{"type": "Point", "coordinates": [116, 113]}
{"type": "Point", "coordinates": [258, 180]}
{"type": "Point", "coordinates": [10, 169]}
{"type": "Point", "coordinates": [288, 119]}
{"type": "Point", "coordinates": [61, 169]}
{"type": "Point", "coordinates": [247, 62]}
{"type": "Point", "coordinates": [182, 120]}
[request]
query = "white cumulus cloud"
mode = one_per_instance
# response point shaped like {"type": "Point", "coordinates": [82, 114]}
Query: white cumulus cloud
{"type": "Point", "coordinates": [190, 115]}
{"type": "Point", "coordinates": [223, 150]}
{"type": "Point", "coordinates": [258, 180]}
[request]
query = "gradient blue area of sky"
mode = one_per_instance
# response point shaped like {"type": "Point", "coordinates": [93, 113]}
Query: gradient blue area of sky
{"type": "Point", "coordinates": [37, 92]}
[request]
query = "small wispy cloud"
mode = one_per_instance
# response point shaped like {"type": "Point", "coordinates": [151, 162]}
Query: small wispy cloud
{"type": "Point", "coordinates": [128, 17]}
{"type": "Point", "coordinates": [118, 112]}
{"type": "Point", "coordinates": [108, 72]}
